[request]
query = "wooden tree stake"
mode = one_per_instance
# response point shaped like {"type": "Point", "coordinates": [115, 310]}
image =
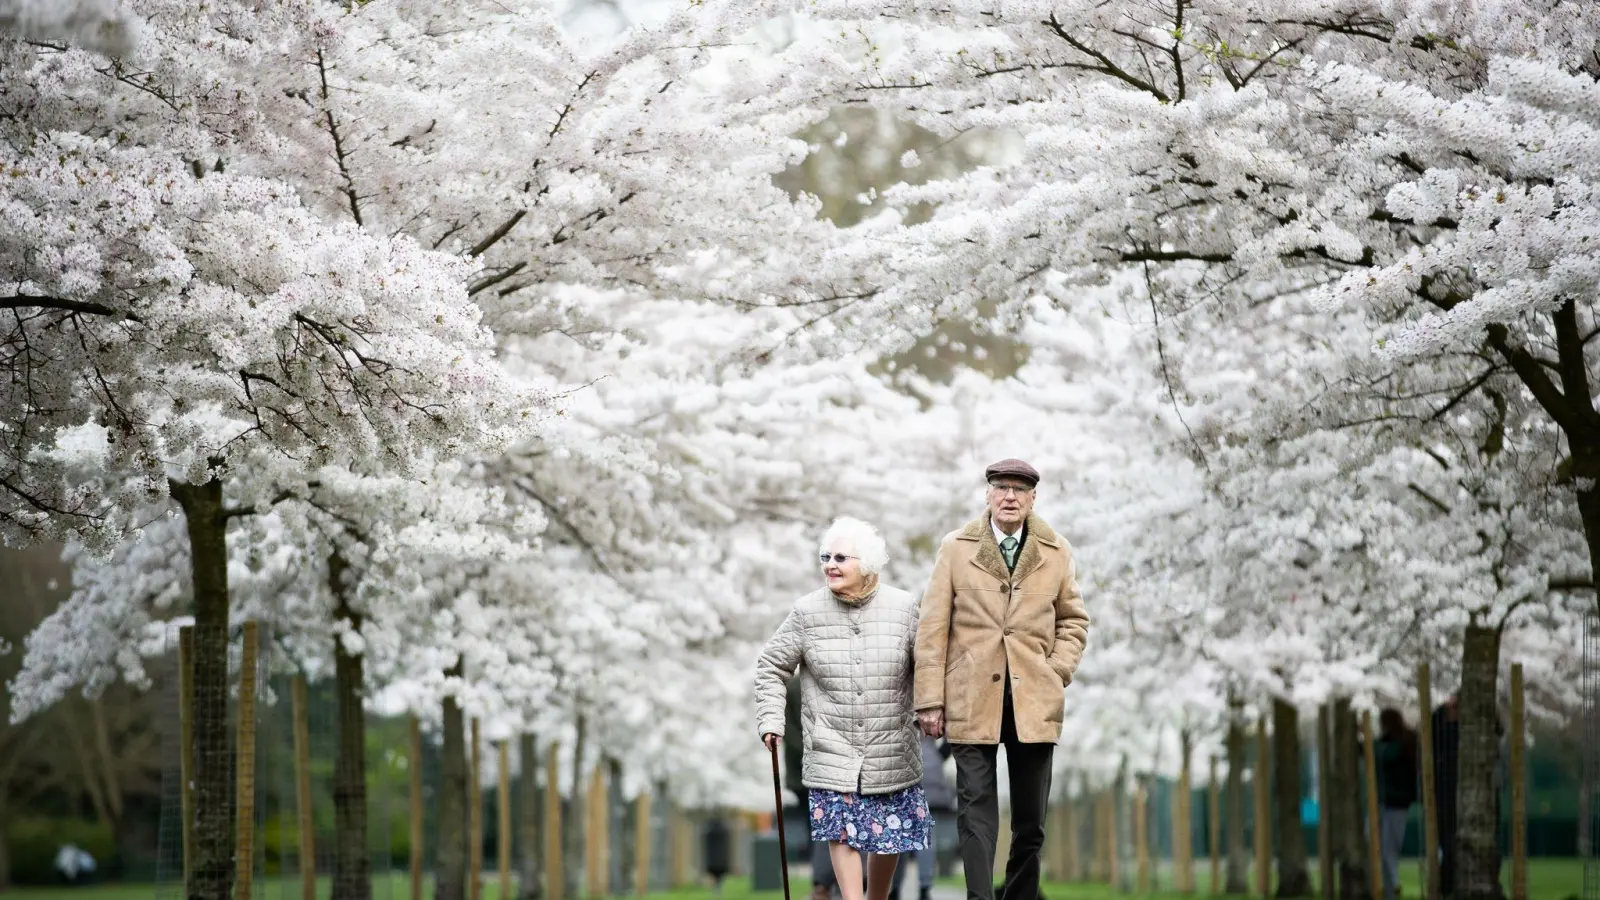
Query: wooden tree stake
{"type": "Point", "coordinates": [596, 850]}
{"type": "Point", "coordinates": [1071, 858]}
{"type": "Point", "coordinates": [1430, 803]}
{"type": "Point", "coordinates": [554, 882]}
{"type": "Point", "coordinates": [1214, 827]}
{"type": "Point", "coordinates": [1182, 819]}
{"type": "Point", "coordinates": [1141, 838]}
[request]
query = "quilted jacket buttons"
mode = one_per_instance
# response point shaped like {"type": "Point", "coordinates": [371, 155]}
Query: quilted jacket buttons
{"type": "Point", "coordinates": [856, 690]}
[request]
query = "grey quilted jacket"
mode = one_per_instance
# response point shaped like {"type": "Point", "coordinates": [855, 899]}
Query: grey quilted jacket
{"type": "Point", "coordinates": [860, 733]}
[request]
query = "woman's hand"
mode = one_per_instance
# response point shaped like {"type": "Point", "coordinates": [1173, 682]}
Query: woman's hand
{"type": "Point", "coordinates": [771, 740]}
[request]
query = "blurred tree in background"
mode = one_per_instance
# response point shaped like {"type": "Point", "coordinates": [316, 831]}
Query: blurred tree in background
{"type": "Point", "coordinates": [87, 771]}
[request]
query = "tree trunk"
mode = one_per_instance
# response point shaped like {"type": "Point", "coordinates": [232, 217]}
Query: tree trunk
{"type": "Point", "coordinates": [573, 820]}
{"type": "Point", "coordinates": [1122, 844]}
{"type": "Point", "coordinates": [617, 810]}
{"type": "Point", "coordinates": [352, 863]}
{"type": "Point", "coordinates": [5, 849]}
{"type": "Point", "coordinates": [108, 762]}
{"type": "Point", "coordinates": [1325, 853]}
{"type": "Point", "coordinates": [1478, 850]}
{"type": "Point", "coordinates": [1294, 874]}
{"type": "Point", "coordinates": [1238, 851]}
{"type": "Point", "coordinates": [212, 877]}
{"type": "Point", "coordinates": [1349, 849]}
{"type": "Point", "coordinates": [451, 880]}
{"type": "Point", "coordinates": [532, 850]}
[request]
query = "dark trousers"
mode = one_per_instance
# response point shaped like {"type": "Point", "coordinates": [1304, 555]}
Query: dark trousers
{"type": "Point", "coordinates": [978, 815]}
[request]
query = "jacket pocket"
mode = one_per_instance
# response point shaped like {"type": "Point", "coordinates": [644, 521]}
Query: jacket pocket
{"type": "Point", "coordinates": [1056, 710]}
{"type": "Point", "coordinates": [958, 689]}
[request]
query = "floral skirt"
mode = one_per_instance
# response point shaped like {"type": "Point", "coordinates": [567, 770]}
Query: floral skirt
{"type": "Point", "coordinates": [873, 823]}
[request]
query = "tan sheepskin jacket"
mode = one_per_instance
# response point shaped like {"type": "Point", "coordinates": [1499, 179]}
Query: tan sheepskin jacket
{"type": "Point", "coordinates": [981, 623]}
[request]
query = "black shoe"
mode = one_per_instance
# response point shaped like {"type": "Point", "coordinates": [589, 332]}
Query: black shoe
{"type": "Point", "coordinates": [924, 893]}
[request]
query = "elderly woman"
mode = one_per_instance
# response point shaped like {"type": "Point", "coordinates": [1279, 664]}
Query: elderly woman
{"type": "Point", "coordinates": [863, 760]}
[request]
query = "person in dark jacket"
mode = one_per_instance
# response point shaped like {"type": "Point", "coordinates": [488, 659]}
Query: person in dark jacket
{"type": "Point", "coordinates": [1396, 754]}
{"type": "Point", "coordinates": [717, 853]}
{"type": "Point", "coordinates": [941, 799]}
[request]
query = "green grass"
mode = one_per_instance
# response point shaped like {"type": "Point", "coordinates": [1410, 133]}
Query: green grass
{"type": "Point", "coordinates": [1548, 879]}
{"type": "Point", "coordinates": [395, 886]}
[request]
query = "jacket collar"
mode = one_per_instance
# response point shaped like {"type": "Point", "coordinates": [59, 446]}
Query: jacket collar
{"type": "Point", "coordinates": [990, 560]}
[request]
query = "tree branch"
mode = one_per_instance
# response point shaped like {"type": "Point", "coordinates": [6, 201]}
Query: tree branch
{"type": "Point", "coordinates": [495, 236]}
{"type": "Point", "coordinates": [1573, 368]}
{"type": "Point", "coordinates": [1537, 381]}
{"type": "Point", "coordinates": [1106, 65]}
{"type": "Point", "coordinates": [22, 301]}
{"type": "Point", "coordinates": [1435, 502]}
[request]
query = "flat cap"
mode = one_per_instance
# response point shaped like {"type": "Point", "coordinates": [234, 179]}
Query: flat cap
{"type": "Point", "coordinates": [1012, 468]}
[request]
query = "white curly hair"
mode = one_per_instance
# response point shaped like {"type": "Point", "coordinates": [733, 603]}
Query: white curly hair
{"type": "Point", "coordinates": [861, 537]}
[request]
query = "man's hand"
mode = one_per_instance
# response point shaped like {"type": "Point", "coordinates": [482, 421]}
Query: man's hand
{"type": "Point", "coordinates": [932, 721]}
{"type": "Point", "coordinates": [771, 740]}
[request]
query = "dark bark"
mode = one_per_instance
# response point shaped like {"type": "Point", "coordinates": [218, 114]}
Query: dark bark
{"type": "Point", "coordinates": [1122, 845]}
{"type": "Point", "coordinates": [1571, 406]}
{"type": "Point", "coordinates": [1238, 866]}
{"type": "Point", "coordinates": [352, 863]}
{"type": "Point", "coordinates": [1349, 847]}
{"type": "Point", "coordinates": [212, 877]}
{"type": "Point", "coordinates": [1585, 797]}
{"type": "Point", "coordinates": [1589, 512]}
{"type": "Point", "coordinates": [620, 816]}
{"type": "Point", "coordinates": [5, 849]}
{"type": "Point", "coordinates": [1325, 869]}
{"type": "Point", "coordinates": [1294, 875]}
{"type": "Point", "coordinates": [451, 880]}
{"type": "Point", "coordinates": [1478, 851]}
{"type": "Point", "coordinates": [573, 819]}
{"type": "Point", "coordinates": [531, 850]}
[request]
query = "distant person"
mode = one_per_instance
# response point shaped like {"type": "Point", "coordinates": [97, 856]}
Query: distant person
{"type": "Point", "coordinates": [852, 641]}
{"type": "Point", "coordinates": [74, 863]}
{"type": "Point", "coordinates": [942, 802]}
{"type": "Point", "coordinates": [1395, 752]}
{"type": "Point", "coordinates": [717, 853]}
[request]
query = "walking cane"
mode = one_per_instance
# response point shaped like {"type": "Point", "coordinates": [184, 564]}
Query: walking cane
{"type": "Point", "coordinates": [777, 799]}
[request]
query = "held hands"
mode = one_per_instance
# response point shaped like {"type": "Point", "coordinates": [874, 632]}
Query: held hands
{"type": "Point", "coordinates": [770, 740]}
{"type": "Point", "coordinates": [932, 721]}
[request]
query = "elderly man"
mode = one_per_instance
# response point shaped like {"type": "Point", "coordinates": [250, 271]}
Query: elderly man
{"type": "Point", "coordinates": [1002, 630]}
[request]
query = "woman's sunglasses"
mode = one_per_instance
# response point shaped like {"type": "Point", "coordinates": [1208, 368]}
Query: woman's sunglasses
{"type": "Point", "coordinates": [835, 557]}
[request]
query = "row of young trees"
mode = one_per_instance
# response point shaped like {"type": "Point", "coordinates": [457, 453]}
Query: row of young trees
{"type": "Point", "coordinates": [416, 335]}
{"type": "Point", "coordinates": [1357, 245]}
{"type": "Point", "coordinates": [504, 370]}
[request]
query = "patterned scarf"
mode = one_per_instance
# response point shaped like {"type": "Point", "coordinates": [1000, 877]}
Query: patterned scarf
{"type": "Point", "coordinates": [859, 598]}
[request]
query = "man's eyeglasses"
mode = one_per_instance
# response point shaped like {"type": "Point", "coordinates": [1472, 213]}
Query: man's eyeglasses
{"type": "Point", "coordinates": [1010, 489]}
{"type": "Point", "coordinates": [835, 557]}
